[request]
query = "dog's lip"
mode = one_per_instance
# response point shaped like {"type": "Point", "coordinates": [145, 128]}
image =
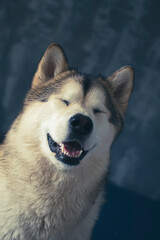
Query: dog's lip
{"type": "Point", "coordinates": [68, 152]}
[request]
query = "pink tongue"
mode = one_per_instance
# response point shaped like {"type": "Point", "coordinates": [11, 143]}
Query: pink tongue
{"type": "Point", "coordinates": [73, 148]}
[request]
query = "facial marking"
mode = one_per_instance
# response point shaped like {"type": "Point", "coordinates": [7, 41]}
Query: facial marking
{"type": "Point", "coordinates": [96, 99]}
{"type": "Point", "coordinates": [72, 91]}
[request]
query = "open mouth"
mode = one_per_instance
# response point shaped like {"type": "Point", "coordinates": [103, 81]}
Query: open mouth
{"type": "Point", "coordinates": [69, 152]}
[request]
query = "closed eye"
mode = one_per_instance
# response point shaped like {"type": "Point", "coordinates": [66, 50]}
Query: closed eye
{"type": "Point", "coordinates": [44, 99]}
{"type": "Point", "coordinates": [96, 110]}
{"type": "Point", "coordinates": [65, 101]}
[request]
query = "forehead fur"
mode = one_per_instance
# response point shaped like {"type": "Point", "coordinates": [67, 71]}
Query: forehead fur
{"type": "Point", "coordinates": [71, 80]}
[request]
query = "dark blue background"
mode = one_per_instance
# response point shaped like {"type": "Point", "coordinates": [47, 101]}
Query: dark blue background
{"type": "Point", "coordinates": [128, 216]}
{"type": "Point", "coordinates": [98, 37]}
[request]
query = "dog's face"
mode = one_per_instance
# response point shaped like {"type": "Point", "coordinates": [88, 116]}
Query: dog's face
{"type": "Point", "coordinates": [77, 116]}
{"type": "Point", "coordinates": [75, 123]}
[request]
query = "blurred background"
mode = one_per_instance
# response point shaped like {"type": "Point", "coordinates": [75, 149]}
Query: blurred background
{"type": "Point", "coordinates": [98, 37]}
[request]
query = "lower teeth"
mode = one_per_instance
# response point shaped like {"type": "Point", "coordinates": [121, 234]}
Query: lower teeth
{"type": "Point", "coordinates": [74, 156]}
{"type": "Point", "coordinates": [63, 151]}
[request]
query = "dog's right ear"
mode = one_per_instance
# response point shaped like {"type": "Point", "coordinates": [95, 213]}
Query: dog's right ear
{"type": "Point", "coordinates": [52, 63]}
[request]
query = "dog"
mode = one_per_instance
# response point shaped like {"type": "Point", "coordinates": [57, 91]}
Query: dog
{"type": "Point", "coordinates": [55, 157]}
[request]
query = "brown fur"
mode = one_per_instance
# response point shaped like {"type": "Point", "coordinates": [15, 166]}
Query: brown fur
{"type": "Point", "coordinates": [41, 199]}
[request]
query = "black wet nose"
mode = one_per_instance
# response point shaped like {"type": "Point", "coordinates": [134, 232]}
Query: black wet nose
{"type": "Point", "coordinates": [81, 124]}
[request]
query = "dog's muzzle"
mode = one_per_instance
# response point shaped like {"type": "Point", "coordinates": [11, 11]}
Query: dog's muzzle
{"type": "Point", "coordinates": [70, 151]}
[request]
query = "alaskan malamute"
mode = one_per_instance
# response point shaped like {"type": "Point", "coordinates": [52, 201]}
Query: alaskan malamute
{"type": "Point", "coordinates": [55, 157]}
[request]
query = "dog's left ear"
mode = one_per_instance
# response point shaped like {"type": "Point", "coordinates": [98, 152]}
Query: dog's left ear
{"type": "Point", "coordinates": [52, 63]}
{"type": "Point", "coordinates": [122, 83]}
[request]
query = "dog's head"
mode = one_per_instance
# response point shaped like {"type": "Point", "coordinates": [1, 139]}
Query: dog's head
{"type": "Point", "coordinates": [76, 116]}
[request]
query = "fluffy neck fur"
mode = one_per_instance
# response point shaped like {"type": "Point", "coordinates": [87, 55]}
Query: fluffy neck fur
{"type": "Point", "coordinates": [50, 198]}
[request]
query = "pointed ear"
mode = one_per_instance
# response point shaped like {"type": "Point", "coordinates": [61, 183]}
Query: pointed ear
{"type": "Point", "coordinates": [52, 63]}
{"type": "Point", "coordinates": [122, 83]}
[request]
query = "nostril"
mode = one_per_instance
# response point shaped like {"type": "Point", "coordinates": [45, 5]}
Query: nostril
{"type": "Point", "coordinates": [75, 122]}
{"type": "Point", "coordinates": [89, 125]}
